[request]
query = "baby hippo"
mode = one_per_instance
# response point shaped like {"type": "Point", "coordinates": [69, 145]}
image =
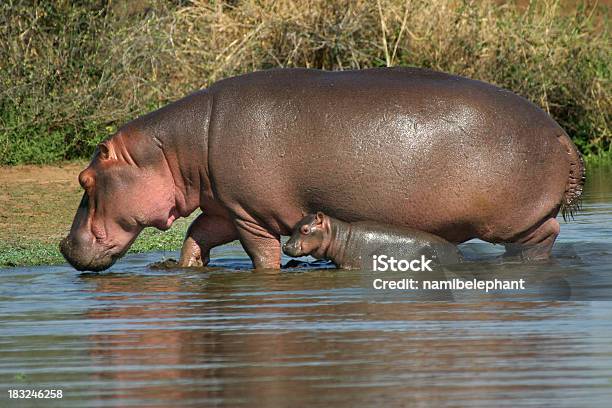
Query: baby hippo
{"type": "Point", "coordinates": [353, 245]}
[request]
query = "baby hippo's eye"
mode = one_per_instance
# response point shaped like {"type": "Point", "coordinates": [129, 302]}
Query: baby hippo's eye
{"type": "Point", "coordinates": [305, 229]}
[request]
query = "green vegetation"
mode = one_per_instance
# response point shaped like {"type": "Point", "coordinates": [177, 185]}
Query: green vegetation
{"type": "Point", "coordinates": [71, 72]}
{"type": "Point", "coordinates": [45, 251]}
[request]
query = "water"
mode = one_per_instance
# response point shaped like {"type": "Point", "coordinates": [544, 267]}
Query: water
{"type": "Point", "coordinates": [225, 336]}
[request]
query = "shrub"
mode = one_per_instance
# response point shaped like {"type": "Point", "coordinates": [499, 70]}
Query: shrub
{"type": "Point", "coordinates": [71, 72]}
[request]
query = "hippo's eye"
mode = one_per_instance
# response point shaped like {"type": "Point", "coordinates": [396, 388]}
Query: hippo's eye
{"type": "Point", "coordinates": [86, 181]}
{"type": "Point", "coordinates": [305, 229]}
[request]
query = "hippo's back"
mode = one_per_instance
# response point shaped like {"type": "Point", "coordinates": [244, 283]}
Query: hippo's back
{"type": "Point", "coordinates": [368, 238]}
{"type": "Point", "coordinates": [440, 153]}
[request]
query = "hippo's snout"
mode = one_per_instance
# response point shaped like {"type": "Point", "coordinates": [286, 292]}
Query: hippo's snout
{"type": "Point", "coordinates": [292, 248]}
{"type": "Point", "coordinates": [84, 256]}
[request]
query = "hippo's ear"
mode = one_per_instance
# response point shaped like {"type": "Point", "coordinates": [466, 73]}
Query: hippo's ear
{"type": "Point", "coordinates": [319, 217]}
{"type": "Point", "coordinates": [106, 151]}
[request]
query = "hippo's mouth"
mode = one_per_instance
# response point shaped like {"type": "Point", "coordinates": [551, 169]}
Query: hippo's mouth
{"type": "Point", "coordinates": [293, 249]}
{"type": "Point", "coordinates": [86, 260]}
{"type": "Point", "coordinates": [92, 255]}
{"type": "Point", "coordinates": [173, 215]}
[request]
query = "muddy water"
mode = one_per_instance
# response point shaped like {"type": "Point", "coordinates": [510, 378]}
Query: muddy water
{"type": "Point", "coordinates": [225, 336]}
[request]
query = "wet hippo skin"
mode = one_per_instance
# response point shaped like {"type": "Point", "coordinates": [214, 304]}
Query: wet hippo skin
{"type": "Point", "coordinates": [352, 245]}
{"type": "Point", "coordinates": [410, 147]}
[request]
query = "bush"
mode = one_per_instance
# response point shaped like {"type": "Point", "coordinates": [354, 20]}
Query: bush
{"type": "Point", "coordinates": [71, 72]}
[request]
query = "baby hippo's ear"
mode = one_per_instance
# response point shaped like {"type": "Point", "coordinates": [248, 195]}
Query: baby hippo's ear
{"type": "Point", "coordinates": [319, 217]}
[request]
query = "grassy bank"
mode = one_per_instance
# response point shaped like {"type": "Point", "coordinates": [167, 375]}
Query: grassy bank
{"type": "Point", "coordinates": [37, 205]}
{"type": "Point", "coordinates": [40, 251]}
{"type": "Point", "coordinates": [71, 72]}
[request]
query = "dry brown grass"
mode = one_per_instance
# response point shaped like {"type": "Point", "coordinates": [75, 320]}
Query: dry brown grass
{"type": "Point", "coordinates": [65, 88]}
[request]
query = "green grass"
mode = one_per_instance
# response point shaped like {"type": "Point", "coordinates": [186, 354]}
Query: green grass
{"type": "Point", "coordinates": [71, 72]}
{"type": "Point", "coordinates": [29, 252]}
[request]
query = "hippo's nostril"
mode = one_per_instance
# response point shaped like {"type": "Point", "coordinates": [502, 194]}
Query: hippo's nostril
{"type": "Point", "coordinates": [63, 246]}
{"type": "Point", "coordinates": [288, 249]}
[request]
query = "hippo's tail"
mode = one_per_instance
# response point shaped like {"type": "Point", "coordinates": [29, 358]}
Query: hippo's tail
{"type": "Point", "coordinates": [570, 203]}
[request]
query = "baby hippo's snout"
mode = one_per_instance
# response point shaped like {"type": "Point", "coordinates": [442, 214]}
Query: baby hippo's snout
{"type": "Point", "coordinates": [293, 247]}
{"type": "Point", "coordinates": [307, 237]}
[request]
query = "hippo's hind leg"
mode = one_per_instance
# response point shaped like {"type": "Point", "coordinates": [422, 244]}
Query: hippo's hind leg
{"type": "Point", "coordinates": [205, 233]}
{"type": "Point", "coordinates": [262, 246]}
{"type": "Point", "coordinates": [536, 244]}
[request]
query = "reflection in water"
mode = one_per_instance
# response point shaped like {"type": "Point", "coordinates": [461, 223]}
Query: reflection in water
{"type": "Point", "coordinates": [225, 336]}
{"type": "Point", "coordinates": [277, 339]}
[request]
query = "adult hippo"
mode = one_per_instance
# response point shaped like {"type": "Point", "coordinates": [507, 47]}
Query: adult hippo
{"type": "Point", "coordinates": [448, 155]}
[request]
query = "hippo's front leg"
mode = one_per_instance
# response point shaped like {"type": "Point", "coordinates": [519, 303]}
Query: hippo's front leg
{"type": "Point", "coordinates": [205, 233]}
{"type": "Point", "coordinates": [262, 246]}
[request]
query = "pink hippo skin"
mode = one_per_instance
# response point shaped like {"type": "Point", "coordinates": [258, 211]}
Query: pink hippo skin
{"type": "Point", "coordinates": [443, 154]}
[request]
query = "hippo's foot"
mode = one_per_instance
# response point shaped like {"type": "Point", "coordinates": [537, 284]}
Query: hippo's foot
{"type": "Point", "coordinates": [205, 233]}
{"type": "Point", "coordinates": [536, 245]}
{"type": "Point", "coordinates": [191, 254]}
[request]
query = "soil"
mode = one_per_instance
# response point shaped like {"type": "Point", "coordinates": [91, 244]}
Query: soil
{"type": "Point", "coordinates": [38, 202]}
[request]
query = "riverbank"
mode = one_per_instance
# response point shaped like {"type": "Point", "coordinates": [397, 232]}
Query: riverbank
{"type": "Point", "coordinates": [37, 204]}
